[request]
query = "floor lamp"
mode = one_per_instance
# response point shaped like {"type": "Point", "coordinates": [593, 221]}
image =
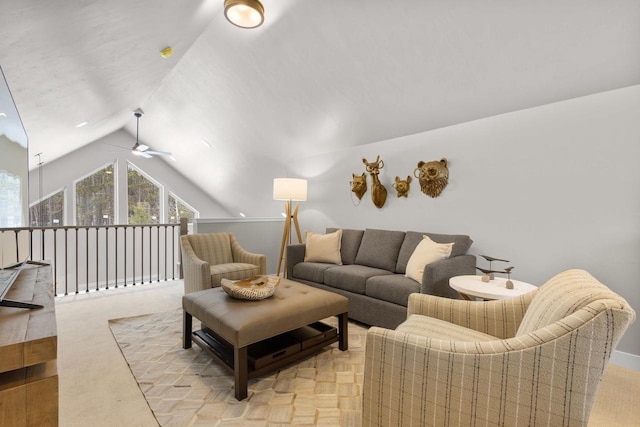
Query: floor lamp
{"type": "Point", "coordinates": [290, 190]}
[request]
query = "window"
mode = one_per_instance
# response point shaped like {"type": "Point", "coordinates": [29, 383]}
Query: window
{"type": "Point", "coordinates": [178, 209]}
{"type": "Point", "coordinates": [10, 200]}
{"type": "Point", "coordinates": [48, 212]}
{"type": "Point", "coordinates": [144, 198]}
{"type": "Point", "coordinates": [95, 198]}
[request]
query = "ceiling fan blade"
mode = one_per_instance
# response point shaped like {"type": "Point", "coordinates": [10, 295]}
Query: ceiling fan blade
{"type": "Point", "coordinates": [141, 154]}
{"type": "Point", "coordinates": [158, 153]}
{"type": "Point", "coordinates": [141, 147]}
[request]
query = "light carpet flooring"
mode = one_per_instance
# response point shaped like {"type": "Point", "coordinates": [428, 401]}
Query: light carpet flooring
{"type": "Point", "coordinates": [97, 388]}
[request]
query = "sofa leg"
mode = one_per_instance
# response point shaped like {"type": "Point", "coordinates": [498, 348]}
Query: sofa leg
{"type": "Point", "coordinates": [186, 329]}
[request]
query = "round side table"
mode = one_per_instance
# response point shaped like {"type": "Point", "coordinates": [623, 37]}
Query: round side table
{"type": "Point", "coordinates": [472, 286]}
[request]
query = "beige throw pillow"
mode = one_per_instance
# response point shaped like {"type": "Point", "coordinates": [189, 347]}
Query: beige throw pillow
{"type": "Point", "coordinates": [425, 253]}
{"type": "Point", "coordinates": [323, 247]}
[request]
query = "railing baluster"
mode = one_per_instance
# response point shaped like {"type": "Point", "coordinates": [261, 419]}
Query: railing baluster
{"type": "Point", "coordinates": [55, 258]}
{"type": "Point", "coordinates": [106, 257]}
{"type": "Point", "coordinates": [158, 253]}
{"type": "Point", "coordinates": [86, 259]}
{"type": "Point", "coordinates": [77, 278]}
{"type": "Point", "coordinates": [150, 255]}
{"type": "Point", "coordinates": [173, 252]}
{"type": "Point", "coordinates": [133, 251]}
{"type": "Point", "coordinates": [116, 255]}
{"type": "Point", "coordinates": [42, 243]}
{"type": "Point", "coordinates": [166, 235]}
{"type": "Point", "coordinates": [66, 263]}
{"type": "Point", "coordinates": [125, 257]}
{"type": "Point", "coordinates": [17, 246]}
{"type": "Point", "coordinates": [97, 269]}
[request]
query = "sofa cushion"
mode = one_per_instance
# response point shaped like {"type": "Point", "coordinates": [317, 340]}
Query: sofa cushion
{"type": "Point", "coordinates": [323, 247]}
{"type": "Point", "coordinates": [379, 248]}
{"type": "Point", "coordinates": [311, 271]}
{"type": "Point", "coordinates": [433, 328]}
{"type": "Point", "coordinates": [425, 253]}
{"type": "Point", "coordinates": [351, 278]}
{"type": "Point", "coordinates": [393, 288]}
{"type": "Point", "coordinates": [462, 243]}
{"type": "Point", "coordinates": [350, 243]}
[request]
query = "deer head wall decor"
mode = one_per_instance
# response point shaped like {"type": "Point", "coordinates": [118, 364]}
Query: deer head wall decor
{"type": "Point", "coordinates": [378, 191]}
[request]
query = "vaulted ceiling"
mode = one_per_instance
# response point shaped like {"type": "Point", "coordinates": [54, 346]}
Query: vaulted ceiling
{"type": "Point", "coordinates": [318, 75]}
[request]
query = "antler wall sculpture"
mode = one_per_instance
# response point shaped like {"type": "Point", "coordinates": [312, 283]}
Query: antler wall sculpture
{"type": "Point", "coordinates": [378, 191]}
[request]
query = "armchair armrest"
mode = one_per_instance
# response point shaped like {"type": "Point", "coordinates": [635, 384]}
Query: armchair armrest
{"type": "Point", "coordinates": [295, 255]}
{"type": "Point", "coordinates": [197, 272]}
{"type": "Point", "coordinates": [244, 256]}
{"type": "Point", "coordinates": [500, 318]}
{"type": "Point", "coordinates": [435, 279]}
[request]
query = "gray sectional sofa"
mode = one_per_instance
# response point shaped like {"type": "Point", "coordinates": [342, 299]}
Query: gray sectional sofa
{"type": "Point", "coordinates": [372, 274]}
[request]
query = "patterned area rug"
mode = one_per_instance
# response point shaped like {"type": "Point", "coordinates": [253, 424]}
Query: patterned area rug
{"type": "Point", "coordinates": [188, 388]}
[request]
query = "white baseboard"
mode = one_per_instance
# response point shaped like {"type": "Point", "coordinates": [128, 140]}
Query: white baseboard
{"type": "Point", "coordinates": [626, 360]}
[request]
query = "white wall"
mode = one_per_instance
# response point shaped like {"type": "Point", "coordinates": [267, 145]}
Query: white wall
{"type": "Point", "coordinates": [62, 172]}
{"type": "Point", "coordinates": [549, 188]}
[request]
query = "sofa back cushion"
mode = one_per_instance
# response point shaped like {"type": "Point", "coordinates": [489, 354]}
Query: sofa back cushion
{"type": "Point", "coordinates": [462, 243]}
{"type": "Point", "coordinates": [563, 295]}
{"type": "Point", "coordinates": [349, 245]}
{"type": "Point", "coordinates": [380, 248]}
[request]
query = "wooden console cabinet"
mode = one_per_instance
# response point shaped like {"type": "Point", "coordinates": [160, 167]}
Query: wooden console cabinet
{"type": "Point", "coordinates": [28, 353]}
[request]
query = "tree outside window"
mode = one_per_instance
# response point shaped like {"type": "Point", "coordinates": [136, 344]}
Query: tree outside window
{"type": "Point", "coordinates": [177, 210]}
{"type": "Point", "coordinates": [48, 212]}
{"type": "Point", "coordinates": [144, 198]}
{"type": "Point", "coordinates": [95, 198]}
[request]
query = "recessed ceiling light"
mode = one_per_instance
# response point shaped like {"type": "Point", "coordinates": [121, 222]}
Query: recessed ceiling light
{"type": "Point", "coordinates": [79, 125]}
{"type": "Point", "coordinates": [206, 143]}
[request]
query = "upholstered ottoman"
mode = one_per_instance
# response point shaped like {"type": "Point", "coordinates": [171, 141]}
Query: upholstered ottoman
{"type": "Point", "coordinates": [237, 324]}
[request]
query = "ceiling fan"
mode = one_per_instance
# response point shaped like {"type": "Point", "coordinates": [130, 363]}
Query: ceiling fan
{"type": "Point", "coordinates": [141, 149]}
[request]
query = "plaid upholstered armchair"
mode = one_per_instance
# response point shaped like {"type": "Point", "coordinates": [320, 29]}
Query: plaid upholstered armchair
{"type": "Point", "coordinates": [207, 258]}
{"type": "Point", "coordinates": [532, 360]}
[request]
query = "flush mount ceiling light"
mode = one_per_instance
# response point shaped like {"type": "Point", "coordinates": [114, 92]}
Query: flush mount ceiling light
{"type": "Point", "coordinates": [244, 13]}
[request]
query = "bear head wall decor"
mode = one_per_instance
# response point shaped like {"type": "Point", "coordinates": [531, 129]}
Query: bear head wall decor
{"type": "Point", "coordinates": [433, 176]}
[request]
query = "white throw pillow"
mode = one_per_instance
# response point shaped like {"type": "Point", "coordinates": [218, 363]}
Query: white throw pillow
{"type": "Point", "coordinates": [323, 247]}
{"type": "Point", "coordinates": [425, 253]}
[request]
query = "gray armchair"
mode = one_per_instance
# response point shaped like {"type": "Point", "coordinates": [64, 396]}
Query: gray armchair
{"type": "Point", "coordinates": [208, 258]}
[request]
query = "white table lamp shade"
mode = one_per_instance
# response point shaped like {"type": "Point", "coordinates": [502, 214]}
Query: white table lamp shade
{"type": "Point", "coordinates": [289, 189]}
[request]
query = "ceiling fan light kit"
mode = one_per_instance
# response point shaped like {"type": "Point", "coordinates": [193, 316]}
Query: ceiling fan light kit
{"type": "Point", "coordinates": [244, 13]}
